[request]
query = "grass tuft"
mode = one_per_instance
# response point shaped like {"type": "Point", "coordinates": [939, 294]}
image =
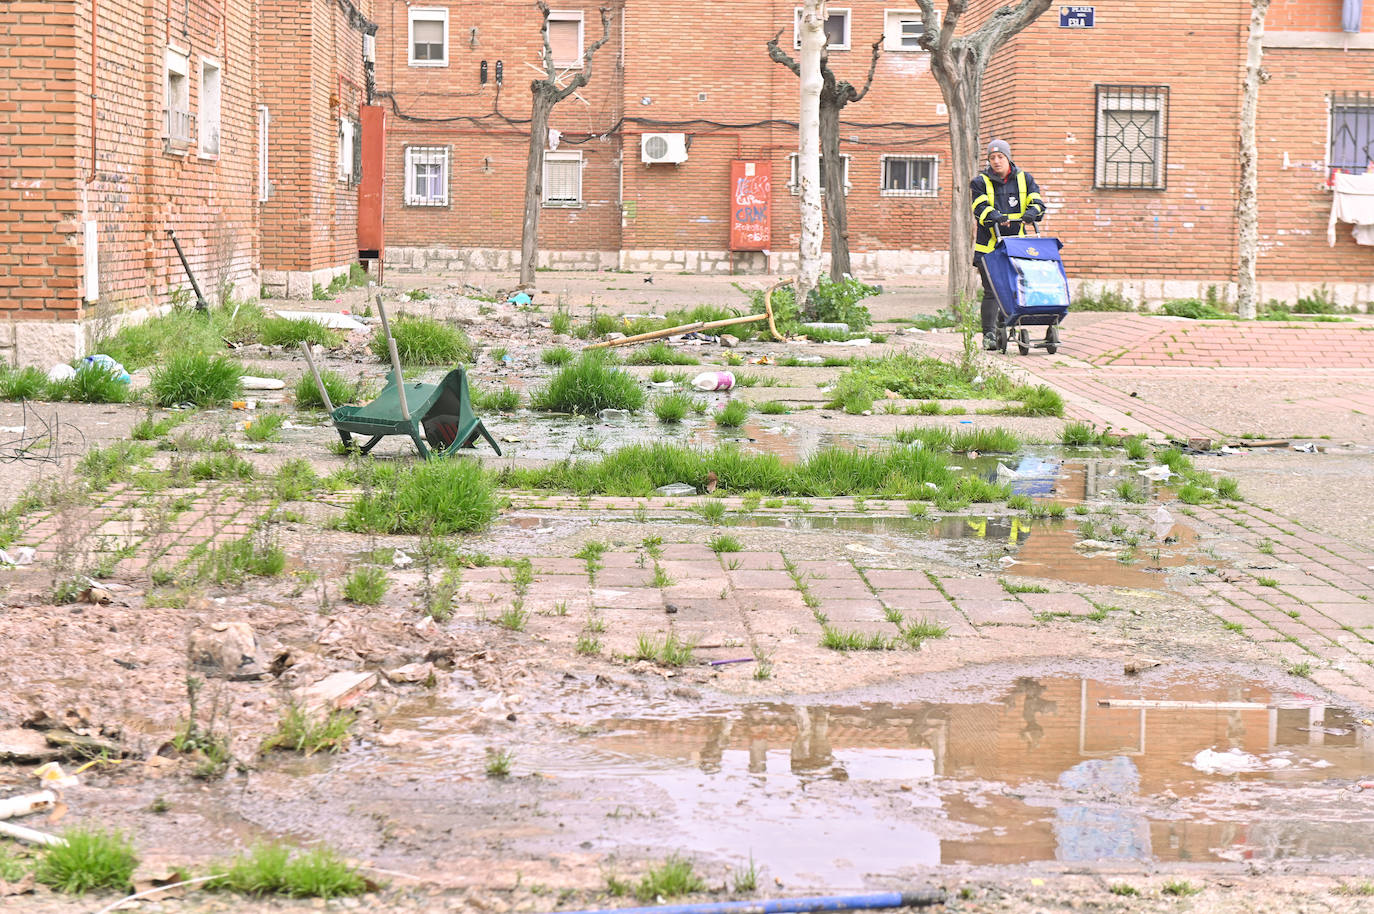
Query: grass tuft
{"type": "Point", "coordinates": [660, 353]}
{"type": "Point", "coordinates": [725, 543]}
{"type": "Point", "coordinates": [675, 876]}
{"type": "Point", "coordinates": [91, 858]}
{"type": "Point", "coordinates": [424, 341]}
{"type": "Point", "coordinates": [309, 732]}
{"type": "Point", "coordinates": [587, 386]}
{"type": "Point", "coordinates": [196, 377]}
{"type": "Point", "coordinates": [366, 585]}
{"type": "Point", "coordinates": [733, 415]}
{"type": "Point", "coordinates": [437, 497]}
{"type": "Point", "coordinates": [672, 408]}
{"type": "Point", "coordinates": [271, 869]}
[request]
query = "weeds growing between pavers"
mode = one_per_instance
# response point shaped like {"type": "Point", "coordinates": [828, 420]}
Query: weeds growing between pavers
{"type": "Point", "coordinates": [424, 341]}
{"type": "Point", "coordinates": [675, 876]}
{"type": "Point", "coordinates": [254, 555]}
{"type": "Point", "coordinates": [912, 377]}
{"type": "Point", "coordinates": [435, 498]}
{"type": "Point", "coordinates": [200, 378]}
{"type": "Point", "coordinates": [587, 386]}
{"type": "Point", "coordinates": [672, 408]}
{"type": "Point", "coordinates": [982, 440]}
{"type": "Point", "coordinates": [88, 858]}
{"type": "Point", "coordinates": [273, 869]}
{"type": "Point", "coordinates": [660, 353]}
{"type": "Point", "coordinates": [636, 470]}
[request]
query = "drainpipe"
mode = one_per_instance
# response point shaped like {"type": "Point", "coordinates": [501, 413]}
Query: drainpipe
{"type": "Point", "coordinates": [1350, 15]}
{"type": "Point", "coordinates": [94, 25]}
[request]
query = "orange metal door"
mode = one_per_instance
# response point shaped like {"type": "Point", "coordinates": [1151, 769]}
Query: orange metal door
{"type": "Point", "coordinates": [371, 239]}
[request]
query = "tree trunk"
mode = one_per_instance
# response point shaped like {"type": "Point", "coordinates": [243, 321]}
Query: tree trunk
{"type": "Point", "coordinates": [808, 150]}
{"type": "Point", "coordinates": [1247, 206]}
{"type": "Point", "coordinates": [836, 213]}
{"type": "Point", "coordinates": [534, 182]}
{"type": "Point", "coordinates": [960, 81]}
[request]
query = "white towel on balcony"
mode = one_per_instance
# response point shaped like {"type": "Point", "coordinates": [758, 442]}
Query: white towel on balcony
{"type": "Point", "coordinates": [1353, 201]}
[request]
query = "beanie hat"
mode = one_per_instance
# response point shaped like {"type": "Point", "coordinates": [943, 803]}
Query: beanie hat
{"type": "Point", "coordinates": [1000, 146]}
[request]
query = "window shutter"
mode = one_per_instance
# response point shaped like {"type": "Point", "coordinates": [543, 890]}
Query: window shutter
{"type": "Point", "coordinates": [563, 40]}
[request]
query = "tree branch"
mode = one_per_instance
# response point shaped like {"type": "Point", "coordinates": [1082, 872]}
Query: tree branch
{"type": "Point", "coordinates": [544, 33]}
{"type": "Point", "coordinates": [582, 78]}
{"type": "Point", "coordinates": [872, 68]}
{"type": "Point", "coordinates": [1006, 22]}
{"type": "Point", "coordinates": [778, 55]}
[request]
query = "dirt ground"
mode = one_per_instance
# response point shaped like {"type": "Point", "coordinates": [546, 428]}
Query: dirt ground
{"type": "Point", "coordinates": [967, 765]}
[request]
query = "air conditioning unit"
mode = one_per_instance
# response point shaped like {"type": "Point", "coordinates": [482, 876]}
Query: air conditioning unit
{"type": "Point", "coordinates": [370, 48]}
{"type": "Point", "coordinates": [663, 147]}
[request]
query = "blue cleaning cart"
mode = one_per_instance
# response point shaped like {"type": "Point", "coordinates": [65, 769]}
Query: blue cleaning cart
{"type": "Point", "coordinates": [1032, 290]}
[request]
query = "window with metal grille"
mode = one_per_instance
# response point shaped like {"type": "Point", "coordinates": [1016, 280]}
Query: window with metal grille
{"type": "Point", "coordinates": [562, 178]}
{"type": "Point", "coordinates": [909, 176]}
{"type": "Point", "coordinates": [1131, 148]}
{"type": "Point", "coordinates": [357, 152]}
{"type": "Point", "coordinates": [836, 29]}
{"type": "Point", "coordinates": [1352, 133]}
{"type": "Point", "coordinates": [794, 184]}
{"type": "Point", "coordinates": [426, 176]}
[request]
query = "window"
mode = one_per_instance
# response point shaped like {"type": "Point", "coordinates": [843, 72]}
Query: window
{"type": "Point", "coordinates": [836, 29]}
{"type": "Point", "coordinates": [565, 37]}
{"type": "Point", "coordinates": [1352, 132]}
{"type": "Point", "coordinates": [428, 37]}
{"type": "Point", "coordinates": [426, 176]}
{"type": "Point", "coordinates": [793, 186]}
{"type": "Point", "coordinates": [902, 30]}
{"type": "Point", "coordinates": [348, 138]}
{"type": "Point", "coordinates": [177, 121]}
{"type": "Point", "coordinates": [910, 176]}
{"type": "Point", "coordinates": [1132, 136]}
{"type": "Point", "coordinates": [562, 179]}
{"type": "Point", "coordinates": [209, 108]}
{"type": "Point", "coordinates": [264, 128]}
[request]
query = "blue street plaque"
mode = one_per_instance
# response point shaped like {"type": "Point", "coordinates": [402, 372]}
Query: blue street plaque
{"type": "Point", "coordinates": [1076, 17]}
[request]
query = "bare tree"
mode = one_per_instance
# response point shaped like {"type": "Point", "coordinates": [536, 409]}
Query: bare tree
{"type": "Point", "coordinates": [808, 148]}
{"type": "Point", "coordinates": [835, 94]}
{"type": "Point", "coordinates": [958, 65]}
{"type": "Point", "coordinates": [547, 92]}
{"type": "Point", "coordinates": [1247, 206]}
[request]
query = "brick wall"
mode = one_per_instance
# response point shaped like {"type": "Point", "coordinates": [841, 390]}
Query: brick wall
{"type": "Point", "coordinates": [1313, 16]}
{"type": "Point", "coordinates": [39, 236]}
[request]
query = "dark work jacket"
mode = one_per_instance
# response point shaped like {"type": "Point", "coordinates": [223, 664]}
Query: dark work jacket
{"type": "Point", "coordinates": [1015, 196]}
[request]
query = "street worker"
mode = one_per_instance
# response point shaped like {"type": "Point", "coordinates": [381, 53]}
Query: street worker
{"type": "Point", "coordinates": [1005, 198]}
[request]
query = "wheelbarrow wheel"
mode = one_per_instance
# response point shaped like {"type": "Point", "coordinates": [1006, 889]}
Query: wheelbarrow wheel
{"type": "Point", "coordinates": [1002, 335]}
{"type": "Point", "coordinates": [1052, 339]}
{"type": "Point", "coordinates": [1023, 341]}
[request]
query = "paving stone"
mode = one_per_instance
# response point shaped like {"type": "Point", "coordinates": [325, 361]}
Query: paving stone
{"type": "Point", "coordinates": [1070, 603]}
{"type": "Point", "coordinates": [780, 600]}
{"type": "Point", "coordinates": [760, 561]}
{"type": "Point", "coordinates": [852, 589]}
{"type": "Point", "coordinates": [1322, 595]}
{"type": "Point", "coordinates": [484, 592]}
{"type": "Point", "coordinates": [558, 565]}
{"type": "Point", "coordinates": [622, 559]}
{"type": "Point", "coordinates": [493, 573]}
{"type": "Point", "coordinates": [551, 603]}
{"type": "Point", "coordinates": [560, 583]}
{"type": "Point", "coordinates": [996, 612]}
{"type": "Point", "coordinates": [865, 627]}
{"type": "Point", "coordinates": [641, 598]}
{"type": "Point", "coordinates": [624, 577]}
{"type": "Point", "coordinates": [846, 611]}
{"type": "Point", "coordinates": [694, 589]}
{"type": "Point", "coordinates": [789, 627]}
{"type": "Point", "coordinates": [828, 570]}
{"type": "Point", "coordinates": [899, 580]}
{"type": "Point", "coordinates": [760, 580]}
{"type": "Point", "coordinates": [982, 589]}
{"type": "Point", "coordinates": [689, 552]}
{"type": "Point", "coordinates": [694, 570]}
{"type": "Point", "coordinates": [913, 599]}
{"type": "Point", "coordinates": [1293, 653]}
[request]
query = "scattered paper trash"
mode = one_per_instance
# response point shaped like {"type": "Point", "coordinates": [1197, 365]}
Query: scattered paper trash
{"type": "Point", "coordinates": [857, 341]}
{"type": "Point", "coordinates": [244, 404]}
{"type": "Point", "coordinates": [61, 372]}
{"type": "Point", "coordinates": [1164, 522]}
{"type": "Point", "coordinates": [400, 560]}
{"type": "Point", "coordinates": [20, 556]}
{"type": "Point", "coordinates": [613, 415]}
{"type": "Point", "coordinates": [328, 319]}
{"type": "Point", "coordinates": [52, 775]}
{"type": "Point", "coordinates": [675, 489]}
{"type": "Point", "coordinates": [1307, 447]}
{"type": "Point", "coordinates": [1157, 473]}
{"type": "Point", "coordinates": [864, 550]}
{"type": "Point", "coordinates": [252, 383]}
{"type": "Point", "coordinates": [714, 380]}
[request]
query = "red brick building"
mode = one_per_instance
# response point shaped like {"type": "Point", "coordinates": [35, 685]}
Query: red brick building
{"type": "Point", "coordinates": [123, 119]}
{"type": "Point", "coordinates": [1130, 120]}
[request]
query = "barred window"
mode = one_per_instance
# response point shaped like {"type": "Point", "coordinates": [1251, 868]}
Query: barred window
{"type": "Point", "coordinates": [426, 176]}
{"type": "Point", "coordinates": [794, 181]}
{"type": "Point", "coordinates": [1352, 132]}
{"type": "Point", "coordinates": [562, 178]}
{"type": "Point", "coordinates": [1131, 148]}
{"type": "Point", "coordinates": [909, 176]}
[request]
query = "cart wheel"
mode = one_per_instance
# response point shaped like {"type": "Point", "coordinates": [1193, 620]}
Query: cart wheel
{"type": "Point", "coordinates": [1023, 341]}
{"type": "Point", "coordinates": [1052, 339]}
{"type": "Point", "coordinates": [1002, 334]}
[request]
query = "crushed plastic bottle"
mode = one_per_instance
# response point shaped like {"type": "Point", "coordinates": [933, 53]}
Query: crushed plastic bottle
{"type": "Point", "coordinates": [714, 380]}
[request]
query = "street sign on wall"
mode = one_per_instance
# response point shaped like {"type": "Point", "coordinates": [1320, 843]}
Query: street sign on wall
{"type": "Point", "coordinates": [751, 205]}
{"type": "Point", "coordinates": [1076, 17]}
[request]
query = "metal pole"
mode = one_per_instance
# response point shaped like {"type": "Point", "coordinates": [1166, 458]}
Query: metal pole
{"type": "Point", "coordinates": [201, 304]}
{"type": "Point", "coordinates": [319, 382]}
{"type": "Point", "coordinates": [395, 360]}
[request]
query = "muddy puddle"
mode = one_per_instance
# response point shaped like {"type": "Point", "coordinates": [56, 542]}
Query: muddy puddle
{"type": "Point", "coordinates": [1059, 766]}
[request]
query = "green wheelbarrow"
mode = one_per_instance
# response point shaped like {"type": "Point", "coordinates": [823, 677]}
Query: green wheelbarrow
{"type": "Point", "coordinates": [440, 414]}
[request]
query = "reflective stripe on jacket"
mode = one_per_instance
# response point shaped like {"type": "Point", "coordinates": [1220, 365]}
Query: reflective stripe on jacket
{"type": "Point", "coordinates": [990, 194]}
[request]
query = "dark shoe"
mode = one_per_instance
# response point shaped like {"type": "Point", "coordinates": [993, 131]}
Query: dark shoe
{"type": "Point", "coordinates": [990, 341]}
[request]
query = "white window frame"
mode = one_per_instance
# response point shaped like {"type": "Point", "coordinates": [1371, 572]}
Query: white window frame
{"type": "Point", "coordinates": [426, 155]}
{"type": "Point", "coordinates": [830, 12]}
{"type": "Point", "coordinates": [932, 191]}
{"type": "Point", "coordinates": [892, 29]}
{"type": "Point", "coordinates": [571, 16]}
{"type": "Point", "coordinates": [346, 140]}
{"type": "Point", "coordinates": [794, 186]}
{"type": "Point", "coordinates": [425, 14]}
{"type": "Point", "coordinates": [574, 157]}
{"type": "Point", "coordinates": [211, 104]}
{"type": "Point", "coordinates": [177, 100]}
{"type": "Point", "coordinates": [264, 131]}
